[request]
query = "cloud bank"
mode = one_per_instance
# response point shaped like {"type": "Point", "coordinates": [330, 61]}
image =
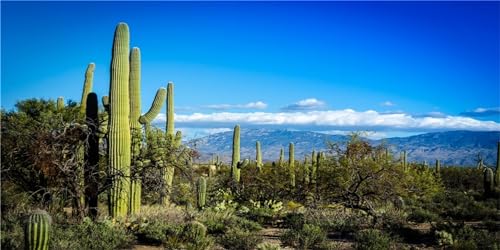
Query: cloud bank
{"type": "Point", "coordinates": [346, 119]}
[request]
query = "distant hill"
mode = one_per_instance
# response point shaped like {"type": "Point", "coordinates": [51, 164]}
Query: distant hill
{"type": "Point", "coordinates": [452, 148]}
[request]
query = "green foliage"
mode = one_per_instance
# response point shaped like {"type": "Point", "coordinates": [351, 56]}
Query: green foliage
{"type": "Point", "coordinates": [421, 215]}
{"type": "Point", "coordinates": [372, 239]}
{"type": "Point", "coordinates": [461, 236]}
{"type": "Point", "coordinates": [219, 222]}
{"type": "Point", "coordinates": [239, 239]}
{"type": "Point", "coordinates": [306, 237]}
{"type": "Point", "coordinates": [195, 234]}
{"type": "Point", "coordinates": [267, 246]}
{"type": "Point", "coordinates": [90, 235]}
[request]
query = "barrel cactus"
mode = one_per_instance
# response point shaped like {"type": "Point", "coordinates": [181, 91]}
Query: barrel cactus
{"type": "Point", "coordinates": [37, 231]}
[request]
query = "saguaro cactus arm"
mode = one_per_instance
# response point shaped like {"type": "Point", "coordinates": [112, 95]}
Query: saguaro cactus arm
{"type": "Point", "coordinates": [155, 108]}
{"type": "Point", "coordinates": [87, 86]}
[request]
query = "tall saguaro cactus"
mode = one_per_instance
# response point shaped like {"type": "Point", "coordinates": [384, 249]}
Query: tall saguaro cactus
{"type": "Point", "coordinates": [235, 171]}
{"type": "Point", "coordinates": [170, 170]}
{"type": "Point", "coordinates": [135, 129]}
{"type": "Point", "coordinates": [258, 155]}
{"type": "Point", "coordinates": [36, 231]}
{"type": "Point", "coordinates": [119, 126]}
{"type": "Point", "coordinates": [87, 87]}
{"type": "Point", "coordinates": [291, 164]}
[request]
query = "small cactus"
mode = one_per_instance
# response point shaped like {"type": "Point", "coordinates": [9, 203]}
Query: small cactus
{"type": "Point", "coordinates": [258, 156]}
{"type": "Point", "coordinates": [202, 192]}
{"type": "Point", "coordinates": [37, 231]}
{"type": "Point", "coordinates": [291, 164]}
{"type": "Point", "coordinates": [489, 184]}
{"type": "Point", "coordinates": [60, 103]}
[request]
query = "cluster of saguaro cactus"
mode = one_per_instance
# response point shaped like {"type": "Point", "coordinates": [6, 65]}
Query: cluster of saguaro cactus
{"type": "Point", "coordinates": [37, 231]}
{"type": "Point", "coordinates": [202, 192]}
{"type": "Point", "coordinates": [121, 124]}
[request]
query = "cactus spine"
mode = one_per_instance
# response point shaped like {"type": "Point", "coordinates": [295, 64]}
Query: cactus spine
{"type": "Point", "coordinates": [258, 156]}
{"type": "Point", "coordinates": [91, 170]}
{"type": "Point", "coordinates": [119, 127]}
{"type": "Point", "coordinates": [235, 171]}
{"type": "Point", "coordinates": [202, 192]}
{"type": "Point", "coordinates": [291, 164]}
{"type": "Point", "coordinates": [60, 103]}
{"type": "Point", "coordinates": [87, 86]}
{"type": "Point", "coordinates": [37, 231]}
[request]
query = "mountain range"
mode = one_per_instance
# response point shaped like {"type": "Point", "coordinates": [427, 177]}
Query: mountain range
{"type": "Point", "coordinates": [459, 148]}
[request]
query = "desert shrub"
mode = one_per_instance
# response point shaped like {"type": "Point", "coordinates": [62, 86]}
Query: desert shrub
{"type": "Point", "coordinates": [372, 239]}
{"type": "Point", "coordinates": [338, 219]}
{"type": "Point", "coordinates": [12, 234]}
{"type": "Point", "coordinates": [90, 235]}
{"type": "Point", "coordinates": [239, 239]}
{"type": "Point", "coordinates": [294, 220]}
{"type": "Point", "coordinates": [219, 222]}
{"type": "Point", "coordinates": [195, 234]}
{"type": "Point", "coordinates": [268, 246]}
{"type": "Point", "coordinates": [307, 237]}
{"type": "Point", "coordinates": [421, 215]}
{"type": "Point", "coordinates": [461, 236]}
{"type": "Point", "coordinates": [266, 212]}
{"type": "Point", "coordinates": [157, 224]}
{"type": "Point", "coordinates": [463, 206]}
{"type": "Point", "coordinates": [462, 179]}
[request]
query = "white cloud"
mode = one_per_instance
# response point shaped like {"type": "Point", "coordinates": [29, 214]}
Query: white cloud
{"type": "Point", "coordinates": [482, 112]}
{"type": "Point", "coordinates": [306, 104]}
{"type": "Point", "coordinates": [346, 119]}
{"type": "Point", "coordinates": [387, 104]}
{"type": "Point", "coordinates": [250, 105]}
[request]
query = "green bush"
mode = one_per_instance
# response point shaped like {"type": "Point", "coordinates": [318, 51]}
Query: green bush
{"type": "Point", "coordinates": [372, 239]}
{"type": "Point", "coordinates": [156, 232]}
{"type": "Point", "coordinates": [90, 235]}
{"type": "Point", "coordinates": [239, 239]}
{"type": "Point", "coordinates": [465, 236]}
{"type": "Point", "coordinates": [220, 222]}
{"type": "Point", "coordinates": [195, 234]}
{"type": "Point", "coordinates": [421, 215]}
{"type": "Point", "coordinates": [307, 237]}
{"type": "Point", "coordinates": [268, 246]}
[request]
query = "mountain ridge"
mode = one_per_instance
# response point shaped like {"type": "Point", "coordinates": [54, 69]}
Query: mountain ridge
{"type": "Point", "coordinates": [459, 147]}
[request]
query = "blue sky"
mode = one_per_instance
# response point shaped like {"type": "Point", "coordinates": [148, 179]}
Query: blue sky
{"type": "Point", "coordinates": [393, 68]}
